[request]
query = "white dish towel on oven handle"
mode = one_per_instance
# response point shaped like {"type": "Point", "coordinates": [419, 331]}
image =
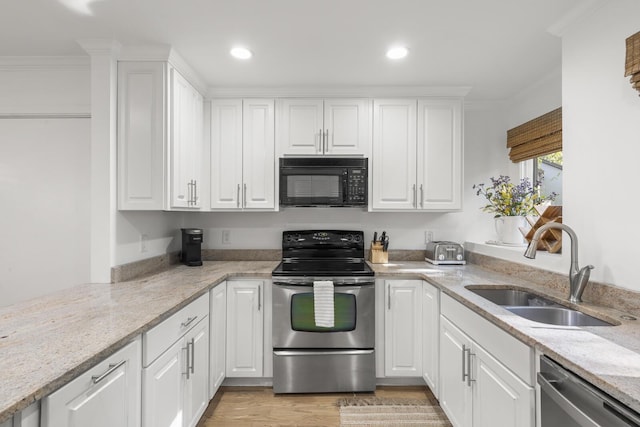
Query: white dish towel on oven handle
{"type": "Point", "coordinates": [323, 303]}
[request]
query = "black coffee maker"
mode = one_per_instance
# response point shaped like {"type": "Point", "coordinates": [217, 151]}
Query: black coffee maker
{"type": "Point", "coordinates": [191, 254]}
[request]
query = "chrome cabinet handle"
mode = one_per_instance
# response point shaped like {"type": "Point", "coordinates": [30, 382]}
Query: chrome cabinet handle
{"type": "Point", "coordinates": [464, 351]}
{"type": "Point", "coordinates": [415, 202]}
{"type": "Point", "coordinates": [188, 321]}
{"type": "Point", "coordinates": [238, 199]}
{"type": "Point", "coordinates": [421, 196]}
{"type": "Point", "coordinates": [188, 373]}
{"type": "Point", "coordinates": [259, 298]}
{"type": "Point", "coordinates": [469, 379]}
{"type": "Point", "coordinates": [320, 141]}
{"type": "Point", "coordinates": [245, 195]}
{"type": "Point", "coordinates": [195, 192]}
{"type": "Point", "coordinates": [112, 367]}
{"type": "Point", "coordinates": [193, 352]}
{"type": "Point", "coordinates": [189, 193]}
{"type": "Point", "coordinates": [326, 141]}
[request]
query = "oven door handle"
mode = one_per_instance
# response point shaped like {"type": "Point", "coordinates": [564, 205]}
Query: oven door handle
{"type": "Point", "coordinates": [321, 353]}
{"type": "Point", "coordinates": [337, 287]}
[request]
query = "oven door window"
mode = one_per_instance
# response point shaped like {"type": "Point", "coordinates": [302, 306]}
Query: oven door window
{"type": "Point", "coordinates": [303, 314]}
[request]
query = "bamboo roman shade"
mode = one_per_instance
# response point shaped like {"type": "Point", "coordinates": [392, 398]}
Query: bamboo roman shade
{"type": "Point", "coordinates": [632, 62]}
{"type": "Point", "coordinates": [538, 137]}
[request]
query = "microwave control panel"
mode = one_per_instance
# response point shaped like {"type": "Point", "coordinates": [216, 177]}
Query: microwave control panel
{"type": "Point", "coordinates": [357, 184]}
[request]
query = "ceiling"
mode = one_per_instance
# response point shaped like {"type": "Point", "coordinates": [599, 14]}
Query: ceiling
{"type": "Point", "coordinates": [497, 47]}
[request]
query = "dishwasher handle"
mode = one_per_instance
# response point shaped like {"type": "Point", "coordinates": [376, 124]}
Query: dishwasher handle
{"type": "Point", "coordinates": [547, 382]}
{"type": "Point", "coordinates": [547, 387]}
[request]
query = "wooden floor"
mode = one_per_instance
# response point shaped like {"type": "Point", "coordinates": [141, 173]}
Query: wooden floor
{"type": "Point", "coordinates": [258, 406]}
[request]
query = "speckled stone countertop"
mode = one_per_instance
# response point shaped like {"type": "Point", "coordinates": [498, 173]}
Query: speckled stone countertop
{"type": "Point", "coordinates": [48, 341]}
{"type": "Point", "coordinates": [606, 356]}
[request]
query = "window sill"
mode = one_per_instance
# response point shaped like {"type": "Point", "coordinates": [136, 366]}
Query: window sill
{"type": "Point", "coordinates": [544, 260]}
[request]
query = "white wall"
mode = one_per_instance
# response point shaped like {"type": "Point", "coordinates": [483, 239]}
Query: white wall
{"type": "Point", "coordinates": [601, 140]}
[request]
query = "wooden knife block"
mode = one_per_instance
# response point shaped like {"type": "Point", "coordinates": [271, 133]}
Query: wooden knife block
{"type": "Point", "coordinates": [377, 255]}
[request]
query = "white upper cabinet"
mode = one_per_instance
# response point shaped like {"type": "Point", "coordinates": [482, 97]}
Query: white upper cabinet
{"type": "Point", "coordinates": [440, 154]}
{"type": "Point", "coordinates": [417, 154]}
{"type": "Point", "coordinates": [316, 127]}
{"type": "Point", "coordinates": [185, 143]}
{"type": "Point", "coordinates": [394, 154]}
{"type": "Point", "coordinates": [160, 138]}
{"type": "Point", "coordinates": [242, 154]}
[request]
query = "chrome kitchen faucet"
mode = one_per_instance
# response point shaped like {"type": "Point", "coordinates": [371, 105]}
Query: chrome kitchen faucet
{"type": "Point", "coordinates": [578, 277]}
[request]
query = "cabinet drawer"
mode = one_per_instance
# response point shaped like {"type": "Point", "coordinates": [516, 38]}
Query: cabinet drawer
{"type": "Point", "coordinates": [514, 354]}
{"type": "Point", "coordinates": [162, 336]}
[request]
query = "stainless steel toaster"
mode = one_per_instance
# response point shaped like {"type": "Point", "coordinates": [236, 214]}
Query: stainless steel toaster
{"type": "Point", "coordinates": [441, 252]}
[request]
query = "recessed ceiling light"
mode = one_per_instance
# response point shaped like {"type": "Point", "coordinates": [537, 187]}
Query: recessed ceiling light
{"type": "Point", "coordinates": [241, 53]}
{"type": "Point", "coordinates": [397, 52]}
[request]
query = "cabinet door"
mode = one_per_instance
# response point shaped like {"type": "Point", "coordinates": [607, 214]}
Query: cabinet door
{"type": "Point", "coordinates": [218, 336]}
{"type": "Point", "coordinates": [394, 154]}
{"type": "Point", "coordinates": [258, 154]}
{"type": "Point", "coordinates": [300, 127]}
{"type": "Point", "coordinates": [430, 335]}
{"type": "Point", "coordinates": [403, 328]}
{"type": "Point", "coordinates": [499, 397]}
{"type": "Point", "coordinates": [141, 135]}
{"type": "Point", "coordinates": [163, 388]}
{"type": "Point", "coordinates": [244, 329]}
{"type": "Point", "coordinates": [185, 145]}
{"type": "Point", "coordinates": [440, 154]}
{"type": "Point", "coordinates": [455, 395]}
{"type": "Point", "coordinates": [226, 154]}
{"type": "Point", "coordinates": [196, 396]}
{"type": "Point", "coordinates": [107, 395]}
{"type": "Point", "coordinates": [347, 127]}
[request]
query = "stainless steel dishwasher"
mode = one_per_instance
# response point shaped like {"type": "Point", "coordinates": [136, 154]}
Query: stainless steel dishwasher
{"type": "Point", "coordinates": [568, 401]}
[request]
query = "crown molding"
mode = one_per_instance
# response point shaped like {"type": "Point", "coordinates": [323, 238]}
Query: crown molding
{"type": "Point", "coordinates": [26, 63]}
{"type": "Point", "coordinates": [338, 91]}
{"type": "Point", "coordinates": [101, 47]}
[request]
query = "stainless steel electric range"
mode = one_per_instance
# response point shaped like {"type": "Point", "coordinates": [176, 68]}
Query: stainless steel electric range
{"type": "Point", "coordinates": [310, 356]}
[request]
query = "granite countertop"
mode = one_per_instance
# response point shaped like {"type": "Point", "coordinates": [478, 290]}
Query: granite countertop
{"type": "Point", "coordinates": [48, 341]}
{"type": "Point", "coordinates": [606, 356]}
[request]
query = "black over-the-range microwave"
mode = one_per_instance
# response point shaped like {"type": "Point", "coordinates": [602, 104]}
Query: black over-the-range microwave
{"type": "Point", "coordinates": [323, 181]}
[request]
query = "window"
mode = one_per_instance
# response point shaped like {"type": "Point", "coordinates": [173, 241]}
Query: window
{"type": "Point", "coordinates": [547, 171]}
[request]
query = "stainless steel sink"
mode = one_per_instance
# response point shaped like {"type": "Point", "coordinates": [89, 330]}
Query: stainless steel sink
{"type": "Point", "coordinates": [557, 316]}
{"type": "Point", "coordinates": [537, 308]}
{"type": "Point", "coordinates": [512, 297]}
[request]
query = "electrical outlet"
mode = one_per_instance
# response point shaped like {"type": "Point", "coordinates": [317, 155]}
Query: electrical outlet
{"type": "Point", "coordinates": [226, 237]}
{"type": "Point", "coordinates": [144, 239]}
{"type": "Point", "coordinates": [428, 236]}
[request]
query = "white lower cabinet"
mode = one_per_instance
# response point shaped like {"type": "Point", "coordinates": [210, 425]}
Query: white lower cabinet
{"type": "Point", "coordinates": [28, 417]}
{"type": "Point", "coordinates": [176, 383]}
{"type": "Point", "coordinates": [218, 337]}
{"type": "Point", "coordinates": [245, 328]}
{"type": "Point", "coordinates": [106, 395]}
{"type": "Point", "coordinates": [403, 328]}
{"type": "Point", "coordinates": [475, 388]}
{"type": "Point", "coordinates": [430, 335]}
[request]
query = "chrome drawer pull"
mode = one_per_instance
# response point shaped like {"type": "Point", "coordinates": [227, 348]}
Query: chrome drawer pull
{"type": "Point", "coordinates": [112, 367]}
{"type": "Point", "coordinates": [188, 322]}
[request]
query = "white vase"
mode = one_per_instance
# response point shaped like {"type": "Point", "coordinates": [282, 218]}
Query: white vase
{"type": "Point", "coordinates": [508, 229]}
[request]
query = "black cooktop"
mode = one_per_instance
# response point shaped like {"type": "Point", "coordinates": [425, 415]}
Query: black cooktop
{"type": "Point", "coordinates": [323, 253]}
